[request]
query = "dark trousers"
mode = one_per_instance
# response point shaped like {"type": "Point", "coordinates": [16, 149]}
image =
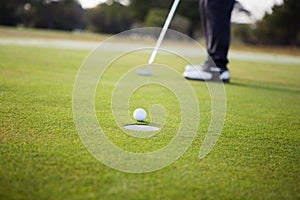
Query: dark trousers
{"type": "Point", "coordinates": [216, 15]}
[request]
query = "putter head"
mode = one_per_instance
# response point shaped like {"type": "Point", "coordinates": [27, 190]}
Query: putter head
{"type": "Point", "coordinates": [144, 72]}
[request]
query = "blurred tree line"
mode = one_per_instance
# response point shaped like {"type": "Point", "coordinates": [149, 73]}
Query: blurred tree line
{"type": "Point", "coordinates": [61, 15]}
{"type": "Point", "coordinates": [280, 28]}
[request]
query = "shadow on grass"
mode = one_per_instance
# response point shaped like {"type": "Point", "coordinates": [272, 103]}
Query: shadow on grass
{"type": "Point", "coordinates": [263, 87]}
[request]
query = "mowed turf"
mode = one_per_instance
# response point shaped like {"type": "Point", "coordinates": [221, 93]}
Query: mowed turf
{"type": "Point", "coordinates": [42, 157]}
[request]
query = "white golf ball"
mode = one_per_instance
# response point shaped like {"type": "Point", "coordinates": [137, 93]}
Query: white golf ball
{"type": "Point", "coordinates": [139, 114]}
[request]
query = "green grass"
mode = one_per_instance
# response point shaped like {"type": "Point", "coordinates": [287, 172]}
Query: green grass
{"type": "Point", "coordinates": [28, 33]}
{"type": "Point", "coordinates": [42, 157]}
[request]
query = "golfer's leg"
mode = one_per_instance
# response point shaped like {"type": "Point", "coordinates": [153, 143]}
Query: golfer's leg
{"type": "Point", "coordinates": [216, 24]}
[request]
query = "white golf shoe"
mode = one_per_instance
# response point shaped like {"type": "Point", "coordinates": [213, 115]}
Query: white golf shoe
{"type": "Point", "coordinates": [204, 73]}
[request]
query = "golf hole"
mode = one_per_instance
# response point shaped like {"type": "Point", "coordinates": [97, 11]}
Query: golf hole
{"type": "Point", "coordinates": [137, 127]}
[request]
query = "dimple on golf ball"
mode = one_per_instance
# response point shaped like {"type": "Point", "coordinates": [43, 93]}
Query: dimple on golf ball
{"type": "Point", "coordinates": [139, 114]}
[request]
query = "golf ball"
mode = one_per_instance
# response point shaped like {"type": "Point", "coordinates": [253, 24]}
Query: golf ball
{"type": "Point", "coordinates": [139, 114]}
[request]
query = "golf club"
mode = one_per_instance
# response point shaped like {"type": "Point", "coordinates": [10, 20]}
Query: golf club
{"type": "Point", "coordinates": [148, 72]}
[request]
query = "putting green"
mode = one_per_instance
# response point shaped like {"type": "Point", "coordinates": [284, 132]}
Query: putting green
{"type": "Point", "coordinates": [42, 156]}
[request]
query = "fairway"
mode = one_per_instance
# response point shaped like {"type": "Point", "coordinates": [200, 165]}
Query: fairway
{"type": "Point", "coordinates": [42, 157]}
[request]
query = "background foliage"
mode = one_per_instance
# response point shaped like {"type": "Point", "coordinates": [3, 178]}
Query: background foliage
{"type": "Point", "coordinates": [281, 27]}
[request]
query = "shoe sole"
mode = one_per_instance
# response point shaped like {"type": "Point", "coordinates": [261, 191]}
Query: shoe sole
{"type": "Point", "coordinates": [211, 80]}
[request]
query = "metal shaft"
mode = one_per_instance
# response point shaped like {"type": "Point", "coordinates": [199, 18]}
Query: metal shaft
{"type": "Point", "coordinates": [163, 32]}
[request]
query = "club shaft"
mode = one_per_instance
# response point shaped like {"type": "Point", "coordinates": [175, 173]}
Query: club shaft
{"type": "Point", "coordinates": [163, 32]}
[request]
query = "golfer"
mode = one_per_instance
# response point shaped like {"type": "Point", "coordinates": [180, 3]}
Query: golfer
{"type": "Point", "coordinates": [216, 16]}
